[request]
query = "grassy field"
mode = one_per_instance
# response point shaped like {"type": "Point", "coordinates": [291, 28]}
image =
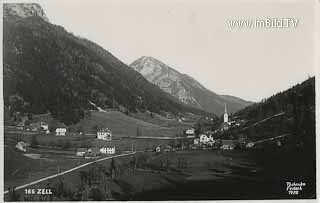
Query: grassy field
{"type": "Point", "coordinates": [202, 165]}
{"type": "Point", "coordinates": [207, 175]}
{"type": "Point", "coordinates": [20, 169]}
{"type": "Point", "coordinates": [122, 125]}
{"type": "Point", "coordinates": [160, 120]}
{"type": "Point", "coordinates": [52, 155]}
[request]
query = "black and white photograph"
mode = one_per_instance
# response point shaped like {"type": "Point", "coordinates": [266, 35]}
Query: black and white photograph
{"type": "Point", "coordinates": [159, 100]}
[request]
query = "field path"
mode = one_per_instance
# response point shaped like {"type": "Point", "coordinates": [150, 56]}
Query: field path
{"type": "Point", "coordinates": [68, 171]}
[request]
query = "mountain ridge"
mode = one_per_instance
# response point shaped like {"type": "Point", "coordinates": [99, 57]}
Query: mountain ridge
{"type": "Point", "coordinates": [185, 88]}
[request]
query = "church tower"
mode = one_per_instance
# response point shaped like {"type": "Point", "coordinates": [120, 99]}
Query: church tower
{"type": "Point", "coordinates": [225, 116]}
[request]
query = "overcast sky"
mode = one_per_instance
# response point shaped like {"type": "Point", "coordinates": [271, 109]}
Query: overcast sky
{"type": "Point", "coordinates": [193, 37]}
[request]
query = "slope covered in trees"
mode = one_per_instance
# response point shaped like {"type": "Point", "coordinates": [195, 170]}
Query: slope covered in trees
{"type": "Point", "coordinates": [49, 69]}
{"type": "Point", "coordinates": [294, 101]}
{"type": "Point", "coordinates": [297, 105]}
{"type": "Point", "coordinates": [290, 113]}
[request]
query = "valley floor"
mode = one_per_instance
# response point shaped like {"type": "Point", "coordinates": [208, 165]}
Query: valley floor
{"type": "Point", "coordinates": [207, 175]}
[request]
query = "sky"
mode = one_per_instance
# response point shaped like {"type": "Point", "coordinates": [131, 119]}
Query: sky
{"type": "Point", "coordinates": [193, 37]}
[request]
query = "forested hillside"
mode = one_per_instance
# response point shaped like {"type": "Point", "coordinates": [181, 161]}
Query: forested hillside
{"type": "Point", "coordinates": [48, 69]}
{"type": "Point", "coordinates": [297, 100]}
{"type": "Point", "coordinates": [291, 111]}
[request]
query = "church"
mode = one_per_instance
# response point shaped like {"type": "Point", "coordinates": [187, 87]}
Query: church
{"type": "Point", "coordinates": [225, 124]}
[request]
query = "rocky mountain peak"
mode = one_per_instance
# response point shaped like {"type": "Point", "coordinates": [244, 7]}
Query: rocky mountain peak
{"type": "Point", "coordinates": [184, 87]}
{"type": "Point", "coordinates": [24, 10]}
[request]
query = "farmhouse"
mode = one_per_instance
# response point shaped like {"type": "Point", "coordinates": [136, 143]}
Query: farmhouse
{"type": "Point", "coordinates": [227, 145]}
{"type": "Point", "coordinates": [81, 151]}
{"type": "Point", "coordinates": [61, 131]}
{"type": "Point", "coordinates": [44, 126]}
{"type": "Point", "coordinates": [22, 146]}
{"type": "Point", "coordinates": [249, 145]}
{"type": "Point", "coordinates": [93, 152]}
{"type": "Point", "coordinates": [104, 134]}
{"type": "Point", "coordinates": [39, 125]}
{"type": "Point", "coordinates": [203, 139]}
{"type": "Point", "coordinates": [190, 132]}
{"type": "Point", "coordinates": [108, 150]}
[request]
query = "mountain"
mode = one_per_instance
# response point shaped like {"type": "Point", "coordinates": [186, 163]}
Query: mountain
{"type": "Point", "coordinates": [298, 101]}
{"type": "Point", "coordinates": [23, 10]}
{"type": "Point", "coordinates": [185, 88]}
{"type": "Point", "coordinates": [47, 69]}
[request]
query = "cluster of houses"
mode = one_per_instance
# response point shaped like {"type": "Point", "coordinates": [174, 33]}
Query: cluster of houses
{"type": "Point", "coordinates": [39, 123]}
{"type": "Point", "coordinates": [102, 134]}
{"type": "Point", "coordinates": [208, 141]}
{"type": "Point", "coordinates": [95, 151]}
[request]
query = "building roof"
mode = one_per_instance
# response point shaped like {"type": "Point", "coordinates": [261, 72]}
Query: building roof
{"type": "Point", "coordinates": [108, 146]}
{"type": "Point", "coordinates": [24, 144]}
{"type": "Point", "coordinates": [227, 142]}
{"type": "Point", "coordinates": [104, 130]}
{"type": "Point", "coordinates": [82, 150]}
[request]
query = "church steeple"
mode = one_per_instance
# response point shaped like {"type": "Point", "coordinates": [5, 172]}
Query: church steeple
{"type": "Point", "coordinates": [225, 116]}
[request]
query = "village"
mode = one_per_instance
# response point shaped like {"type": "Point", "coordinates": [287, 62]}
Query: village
{"type": "Point", "coordinates": [216, 139]}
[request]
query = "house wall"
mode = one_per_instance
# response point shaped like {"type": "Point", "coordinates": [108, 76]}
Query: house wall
{"type": "Point", "coordinates": [108, 150]}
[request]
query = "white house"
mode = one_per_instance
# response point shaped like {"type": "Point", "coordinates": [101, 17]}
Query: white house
{"type": "Point", "coordinates": [44, 127]}
{"type": "Point", "coordinates": [249, 145]}
{"type": "Point", "coordinates": [190, 131]}
{"type": "Point", "coordinates": [61, 131]}
{"type": "Point", "coordinates": [158, 149]}
{"type": "Point", "coordinates": [203, 139]}
{"type": "Point", "coordinates": [104, 134]}
{"type": "Point", "coordinates": [196, 141]}
{"type": "Point", "coordinates": [81, 151]}
{"type": "Point", "coordinates": [108, 150]}
{"type": "Point", "coordinates": [22, 146]}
